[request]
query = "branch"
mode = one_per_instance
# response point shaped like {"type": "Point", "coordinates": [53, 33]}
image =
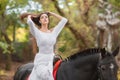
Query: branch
{"type": "Point", "coordinates": [6, 37]}
{"type": "Point", "coordinates": [57, 7]}
{"type": "Point", "coordinates": [3, 32]}
{"type": "Point", "coordinates": [77, 35]}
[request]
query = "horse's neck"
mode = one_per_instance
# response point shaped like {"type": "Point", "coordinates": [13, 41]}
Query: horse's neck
{"type": "Point", "coordinates": [80, 68]}
{"type": "Point", "coordinates": [87, 60]}
{"type": "Point", "coordinates": [88, 67]}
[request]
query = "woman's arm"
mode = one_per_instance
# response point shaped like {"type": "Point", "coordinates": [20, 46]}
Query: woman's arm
{"type": "Point", "coordinates": [33, 28]}
{"type": "Point", "coordinates": [60, 25]}
{"type": "Point", "coordinates": [29, 21]}
{"type": "Point", "coordinates": [55, 15]}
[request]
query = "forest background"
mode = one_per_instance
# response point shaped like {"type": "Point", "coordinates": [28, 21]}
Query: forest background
{"type": "Point", "coordinates": [16, 46]}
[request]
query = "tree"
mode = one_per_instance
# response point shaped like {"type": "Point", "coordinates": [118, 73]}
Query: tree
{"type": "Point", "coordinates": [6, 22]}
{"type": "Point", "coordinates": [73, 20]}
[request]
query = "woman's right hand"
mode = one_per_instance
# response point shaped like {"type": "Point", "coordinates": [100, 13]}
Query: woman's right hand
{"type": "Point", "coordinates": [24, 15]}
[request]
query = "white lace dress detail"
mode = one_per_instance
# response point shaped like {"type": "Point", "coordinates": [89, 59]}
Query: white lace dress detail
{"type": "Point", "coordinates": [43, 62]}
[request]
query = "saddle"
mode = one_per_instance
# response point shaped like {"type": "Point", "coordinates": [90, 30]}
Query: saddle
{"type": "Point", "coordinates": [56, 63]}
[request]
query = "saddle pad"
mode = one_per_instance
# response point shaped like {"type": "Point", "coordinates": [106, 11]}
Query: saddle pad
{"type": "Point", "coordinates": [57, 64]}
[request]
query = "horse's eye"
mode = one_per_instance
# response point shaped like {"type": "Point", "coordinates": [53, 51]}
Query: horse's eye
{"type": "Point", "coordinates": [103, 67]}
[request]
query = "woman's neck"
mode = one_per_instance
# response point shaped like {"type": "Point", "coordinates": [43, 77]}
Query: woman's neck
{"type": "Point", "coordinates": [44, 28]}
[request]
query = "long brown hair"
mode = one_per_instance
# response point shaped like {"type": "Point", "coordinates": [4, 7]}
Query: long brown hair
{"type": "Point", "coordinates": [35, 17]}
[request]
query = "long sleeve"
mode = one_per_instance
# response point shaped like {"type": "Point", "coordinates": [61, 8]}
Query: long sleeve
{"type": "Point", "coordinates": [33, 28]}
{"type": "Point", "coordinates": [59, 26]}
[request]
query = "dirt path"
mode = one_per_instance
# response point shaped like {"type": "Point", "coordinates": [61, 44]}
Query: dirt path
{"type": "Point", "coordinates": [8, 75]}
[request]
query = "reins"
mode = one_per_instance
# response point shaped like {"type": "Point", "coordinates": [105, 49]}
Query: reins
{"type": "Point", "coordinates": [97, 73]}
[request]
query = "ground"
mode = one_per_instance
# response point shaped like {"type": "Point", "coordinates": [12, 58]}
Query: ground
{"type": "Point", "coordinates": [8, 75]}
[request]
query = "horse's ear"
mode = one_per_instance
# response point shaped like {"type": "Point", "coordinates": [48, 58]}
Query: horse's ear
{"type": "Point", "coordinates": [116, 51]}
{"type": "Point", "coordinates": [103, 52]}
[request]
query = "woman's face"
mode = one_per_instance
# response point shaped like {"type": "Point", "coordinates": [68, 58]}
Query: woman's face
{"type": "Point", "coordinates": [44, 19]}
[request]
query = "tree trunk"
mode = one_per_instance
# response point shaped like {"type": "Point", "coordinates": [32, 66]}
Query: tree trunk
{"type": "Point", "coordinates": [77, 35]}
{"type": "Point", "coordinates": [4, 34]}
{"type": "Point", "coordinates": [8, 61]}
{"type": "Point", "coordinates": [14, 28]}
{"type": "Point", "coordinates": [115, 38]}
{"type": "Point", "coordinates": [34, 45]}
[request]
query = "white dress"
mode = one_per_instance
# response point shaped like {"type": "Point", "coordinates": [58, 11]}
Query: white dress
{"type": "Point", "coordinates": [43, 62]}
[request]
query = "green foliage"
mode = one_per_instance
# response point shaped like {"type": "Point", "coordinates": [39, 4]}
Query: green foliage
{"type": "Point", "coordinates": [21, 2]}
{"type": "Point", "coordinates": [67, 42]}
{"type": "Point", "coordinates": [17, 3]}
{"type": "Point", "coordinates": [115, 2]}
{"type": "Point", "coordinates": [62, 49]}
{"type": "Point", "coordinates": [3, 4]}
{"type": "Point", "coordinates": [4, 46]}
{"type": "Point", "coordinates": [19, 47]}
{"type": "Point", "coordinates": [7, 49]}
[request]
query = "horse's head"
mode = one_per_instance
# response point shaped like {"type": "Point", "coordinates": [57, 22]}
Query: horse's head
{"type": "Point", "coordinates": [107, 65]}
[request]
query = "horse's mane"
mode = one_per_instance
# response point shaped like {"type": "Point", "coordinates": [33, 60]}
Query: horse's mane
{"type": "Point", "coordinates": [90, 51]}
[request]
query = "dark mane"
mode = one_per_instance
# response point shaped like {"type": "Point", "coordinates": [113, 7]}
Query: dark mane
{"type": "Point", "coordinates": [86, 52]}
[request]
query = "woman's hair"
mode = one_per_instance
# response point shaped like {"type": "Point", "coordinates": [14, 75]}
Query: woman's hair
{"type": "Point", "coordinates": [35, 17]}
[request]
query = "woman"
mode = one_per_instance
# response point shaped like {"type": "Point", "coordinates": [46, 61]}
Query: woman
{"type": "Point", "coordinates": [46, 39]}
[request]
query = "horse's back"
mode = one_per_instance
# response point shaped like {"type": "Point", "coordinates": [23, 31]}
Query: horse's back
{"type": "Point", "coordinates": [22, 71]}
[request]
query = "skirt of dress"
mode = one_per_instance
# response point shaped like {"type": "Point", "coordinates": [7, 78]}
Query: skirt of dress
{"type": "Point", "coordinates": [43, 67]}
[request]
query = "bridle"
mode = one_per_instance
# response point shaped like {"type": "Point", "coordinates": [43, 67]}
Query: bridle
{"type": "Point", "coordinates": [99, 71]}
{"type": "Point", "coordinates": [101, 68]}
